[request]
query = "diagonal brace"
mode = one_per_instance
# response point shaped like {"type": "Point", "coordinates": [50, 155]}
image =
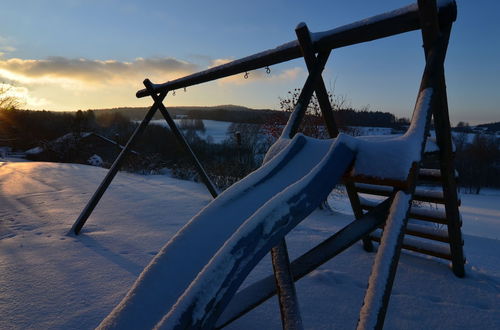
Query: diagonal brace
{"type": "Point", "coordinates": [158, 102]}
{"type": "Point", "coordinates": [306, 45]}
{"type": "Point", "coordinates": [92, 203]}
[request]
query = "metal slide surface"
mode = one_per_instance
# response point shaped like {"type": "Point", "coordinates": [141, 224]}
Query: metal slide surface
{"type": "Point", "coordinates": [197, 272]}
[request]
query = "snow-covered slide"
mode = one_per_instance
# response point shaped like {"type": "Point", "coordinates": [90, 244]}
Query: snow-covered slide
{"type": "Point", "coordinates": [197, 272]}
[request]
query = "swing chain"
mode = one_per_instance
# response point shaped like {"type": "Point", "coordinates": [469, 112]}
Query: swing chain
{"type": "Point", "coordinates": [173, 93]}
{"type": "Point", "coordinates": [268, 70]}
{"type": "Point", "coordinates": [246, 75]}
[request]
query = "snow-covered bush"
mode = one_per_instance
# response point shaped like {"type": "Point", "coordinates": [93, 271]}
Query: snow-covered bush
{"type": "Point", "coordinates": [95, 160]}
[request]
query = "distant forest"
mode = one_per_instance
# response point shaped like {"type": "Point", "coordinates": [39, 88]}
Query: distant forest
{"type": "Point", "coordinates": [478, 162]}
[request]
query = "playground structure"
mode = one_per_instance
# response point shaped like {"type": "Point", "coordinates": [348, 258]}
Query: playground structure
{"type": "Point", "coordinates": [235, 231]}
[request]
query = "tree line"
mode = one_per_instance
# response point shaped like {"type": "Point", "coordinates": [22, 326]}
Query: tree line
{"type": "Point", "coordinates": [478, 162]}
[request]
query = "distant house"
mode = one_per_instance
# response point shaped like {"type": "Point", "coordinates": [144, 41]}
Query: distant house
{"type": "Point", "coordinates": [84, 148]}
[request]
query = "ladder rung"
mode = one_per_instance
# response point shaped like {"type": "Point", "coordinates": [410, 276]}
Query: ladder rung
{"type": "Point", "coordinates": [401, 184]}
{"type": "Point", "coordinates": [431, 196]}
{"type": "Point", "coordinates": [431, 174]}
{"type": "Point", "coordinates": [420, 213]}
{"type": "Point", "coordinates": [419, 246]}
{"type": "Point", "coordinates": [428, 232]}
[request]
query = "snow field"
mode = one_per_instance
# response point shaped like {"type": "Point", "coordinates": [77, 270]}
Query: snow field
{"type": "Point", "coordinates": [53, 280]}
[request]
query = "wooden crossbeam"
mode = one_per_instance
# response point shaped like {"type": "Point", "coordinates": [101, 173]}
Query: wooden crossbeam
{"type": "Point", "coordinates": [388, 24]}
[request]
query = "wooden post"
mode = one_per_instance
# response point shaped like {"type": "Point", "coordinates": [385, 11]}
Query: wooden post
{"type": "Point", "coordinates": [430, 34]}
{"type": "Point", "coordinates": [290, 314]}
{"type": "Point", "coordinates": [372, 314]}
{"type": "Point", "coordinates": [287, 296]}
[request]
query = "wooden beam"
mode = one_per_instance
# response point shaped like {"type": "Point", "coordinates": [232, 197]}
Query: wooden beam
{"type": "Point", "coordinates": [392, 23]}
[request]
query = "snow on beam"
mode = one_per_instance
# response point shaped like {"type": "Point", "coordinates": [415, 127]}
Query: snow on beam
{"type": "Point", "coordinates": [377, 295]}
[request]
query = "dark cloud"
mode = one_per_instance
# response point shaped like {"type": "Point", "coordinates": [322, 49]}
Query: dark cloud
{"type": "Point", "coordinates": [94, 71]}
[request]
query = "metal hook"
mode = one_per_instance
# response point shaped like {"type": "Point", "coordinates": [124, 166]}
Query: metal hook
{"type": "Point", "coordinates": [173, 93]}
{"type": "Point", "coordinates": [268, 70]}
{"type": "Point", "coordinates": [246, 75]}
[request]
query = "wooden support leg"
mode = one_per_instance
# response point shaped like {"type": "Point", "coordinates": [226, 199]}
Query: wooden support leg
{"type": "Point", "coordinates": [358, 213]}
{"type": "Point", "coordinates": [372, 314]}
{"type": "Point", "coordinates": [87, 211]}
{"type": "Point", "coordinates": [290, 314]}
{"type": "Point", "coordinates": [305, 42]}
{"type": "Point", "coordinates": [289, 305]}
{"type": "Point", "coordinates": [199, 168]}
{"type": "Point", "coordinates": [431, 31]}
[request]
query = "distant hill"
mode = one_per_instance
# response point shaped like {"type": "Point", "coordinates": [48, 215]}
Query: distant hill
{"type": "Point", "coordinates": [231, 113]}
{"type": "Point", "coordinates": [241, 114]}
{"type": "Point", "coordinates": [491, 127]}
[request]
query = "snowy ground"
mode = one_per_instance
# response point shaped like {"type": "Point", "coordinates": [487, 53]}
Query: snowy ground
{"type": "Point", "coordinates": [50, 279]}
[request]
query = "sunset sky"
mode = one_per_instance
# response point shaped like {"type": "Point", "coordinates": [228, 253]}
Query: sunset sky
{"type": "Point", "coordinates": [81, 54]}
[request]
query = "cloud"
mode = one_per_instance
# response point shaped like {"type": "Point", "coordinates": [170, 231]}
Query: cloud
{"type": "Point", "coordinates": [85, 72]}
{"type": "Point", "coordinates": [67, 83]}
